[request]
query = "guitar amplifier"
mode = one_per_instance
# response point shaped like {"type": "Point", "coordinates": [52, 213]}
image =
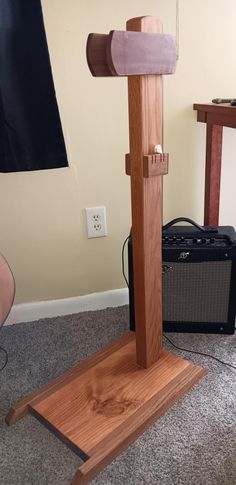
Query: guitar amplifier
{"type": "Point", "coordinates": [199, 278]}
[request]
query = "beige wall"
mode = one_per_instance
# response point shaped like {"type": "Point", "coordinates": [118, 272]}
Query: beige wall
{"type": "Point", "coordinates": [43, 230]}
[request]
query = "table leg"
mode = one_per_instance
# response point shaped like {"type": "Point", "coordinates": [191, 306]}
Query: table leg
{"type": "Point", "coordinates": [212, 174]}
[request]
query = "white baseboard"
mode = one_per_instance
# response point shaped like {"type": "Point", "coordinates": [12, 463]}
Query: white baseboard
{"type": "Point", "coordinates": [28, 312]}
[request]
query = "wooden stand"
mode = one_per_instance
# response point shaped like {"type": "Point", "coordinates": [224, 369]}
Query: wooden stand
{"type": "Point", "coordinates": [104, 403]}
{"type": "Point", "coordinates": [99, 407]}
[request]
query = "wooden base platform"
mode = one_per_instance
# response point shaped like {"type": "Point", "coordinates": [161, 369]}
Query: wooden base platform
{"type": "Point", "coordinates": [100, 406]}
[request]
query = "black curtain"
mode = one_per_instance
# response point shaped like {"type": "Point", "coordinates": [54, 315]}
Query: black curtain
{"type": "Point", "coordinates": [31, 135]}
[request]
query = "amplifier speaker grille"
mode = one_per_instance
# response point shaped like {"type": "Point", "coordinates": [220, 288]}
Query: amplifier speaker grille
{"type": "Point", "coordinates": [198, 279]}
{"type": "Point", "coordinates": [197, 292]}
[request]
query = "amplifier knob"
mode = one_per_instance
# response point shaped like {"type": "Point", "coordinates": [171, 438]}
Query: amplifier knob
{"type": "Point", "coordinates": [212, 240]}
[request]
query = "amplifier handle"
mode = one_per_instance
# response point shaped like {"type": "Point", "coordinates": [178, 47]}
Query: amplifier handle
{"type": "Point", "coordinates": [186, 219]}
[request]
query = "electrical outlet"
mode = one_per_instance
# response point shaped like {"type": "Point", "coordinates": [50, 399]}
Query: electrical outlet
{"type": "Point", "coordinates": [96, 221]}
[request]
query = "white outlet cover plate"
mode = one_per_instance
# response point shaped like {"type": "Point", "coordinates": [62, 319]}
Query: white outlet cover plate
{"type": "Point", "coordinates": [96, 221]}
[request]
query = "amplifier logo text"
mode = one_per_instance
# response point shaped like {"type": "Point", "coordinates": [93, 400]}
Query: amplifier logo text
{"type": "Point", "coordinates": [183, 255]}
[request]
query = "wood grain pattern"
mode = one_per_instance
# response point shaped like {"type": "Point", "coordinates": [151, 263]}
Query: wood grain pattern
{"type": "Point", "coordinates": [224, 120]}
{"type": "Point", "coordinates": [107, 405]}
{"type": "Point", "coordinates": [213, 174]}
{"type": "Point", "coordinates": [21, 408]}
{"type": "Point", "coordinates": [156, 164]}
{"type": "Point", "coordinates": [145, 131]}
{"type": "Point", "coordinates": [218, 114]}
{"type": "Point", "coordinates": [136, 424]}
{"type": "Point", "coordinates": [153, 165]}
{"type": "Point", "coordinates": [215, 116]}
{"type": "Point", "coordinates": [96, 52]}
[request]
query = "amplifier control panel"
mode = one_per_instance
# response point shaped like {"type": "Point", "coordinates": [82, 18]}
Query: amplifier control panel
{"type": "Point", "coordinates": [179, 240]}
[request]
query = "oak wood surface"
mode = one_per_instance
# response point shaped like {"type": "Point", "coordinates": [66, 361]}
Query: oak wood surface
{"type": "Point", "coordinates": [136, 424]}
{"type": "Point", "coordinates": [96, 403]}
{"type": "Point", "coordinates": [110, 404]}
{"type": "Point", "coordinates": [145, 131]}
{"type": "Point", "coordinates": [21, 408]}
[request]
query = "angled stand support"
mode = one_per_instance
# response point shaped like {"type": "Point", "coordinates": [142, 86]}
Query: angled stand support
{"type": "Point", "coordinates": [100, 406]}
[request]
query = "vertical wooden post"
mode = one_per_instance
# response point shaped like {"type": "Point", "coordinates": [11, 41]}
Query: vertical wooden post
{"type": "Point", "coordinates": [145, 130]}
{"type": "Point", "coordinates": [213, 174]}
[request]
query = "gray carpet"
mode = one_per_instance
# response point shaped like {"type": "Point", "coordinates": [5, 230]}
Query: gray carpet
{"type": "Point", "coordinates": [194, 443]}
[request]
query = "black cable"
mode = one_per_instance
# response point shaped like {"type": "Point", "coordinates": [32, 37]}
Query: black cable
{"type": "Point", "coordinates": [199, 353]}
{"type": "Point", "coordinates": [123, 262]}
{"type": "Point", "coordinates": [6, 354]}
{"type": "Point", "coordinates": [6, 361]}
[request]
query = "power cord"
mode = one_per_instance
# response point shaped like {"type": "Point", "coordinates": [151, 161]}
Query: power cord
{"type": "Point", "coordinates": [167, 338]}
{"type": "Point", "coordinates": [198, 353]}
{"type": "Point", "coordinates": [6, 358]}
{"type": "Point", "coordinates": [123, 260]}
{"type": "Point", "coordinates": [6, 361]}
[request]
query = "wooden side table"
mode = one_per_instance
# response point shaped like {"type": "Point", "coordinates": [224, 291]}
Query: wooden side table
{"type": "Point", "coordinates": [215, 116]}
